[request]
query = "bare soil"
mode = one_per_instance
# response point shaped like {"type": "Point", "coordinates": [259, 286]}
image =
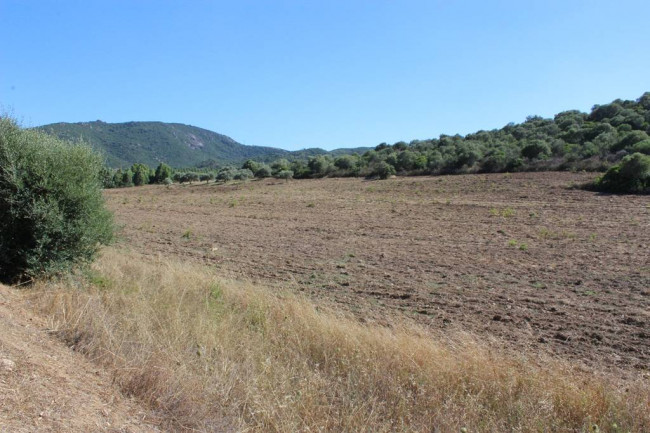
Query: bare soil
{"type": "Point", "coordinates": [525, 260]}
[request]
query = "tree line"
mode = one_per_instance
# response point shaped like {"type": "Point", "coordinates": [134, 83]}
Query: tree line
{"type": "Point", "coordinates": [571, 140]}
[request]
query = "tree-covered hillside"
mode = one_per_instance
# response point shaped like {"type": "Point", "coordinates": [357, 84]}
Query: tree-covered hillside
{"type": "Point", "coordinates": [154, 142]}
{"type": "Point", "coordinates": [571, 140]}
{"type": "Point", "coordinates": [175, 144]}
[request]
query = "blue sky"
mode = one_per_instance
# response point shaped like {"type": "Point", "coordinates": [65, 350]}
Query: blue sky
{"type": "Point", "coordinates": [296, 74]}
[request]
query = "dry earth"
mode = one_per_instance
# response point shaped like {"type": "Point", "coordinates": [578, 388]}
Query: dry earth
{"type": "Point", "coordinates": [524, 259]}
{"type": "Point", "coordinates": [47, 387]}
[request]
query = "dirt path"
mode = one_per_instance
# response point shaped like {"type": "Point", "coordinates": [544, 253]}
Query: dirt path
{"type": "Point", "coordinates": [47, 387]}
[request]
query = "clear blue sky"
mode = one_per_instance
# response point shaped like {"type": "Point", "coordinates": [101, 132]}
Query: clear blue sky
{"type": "Point", "coordinates": [328, 73]}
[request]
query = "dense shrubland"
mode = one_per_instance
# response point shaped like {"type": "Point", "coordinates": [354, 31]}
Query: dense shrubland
{"type": "Point", "coordinates": [52, 213]}
{"type": "Point", "coordinates": [572, 140]}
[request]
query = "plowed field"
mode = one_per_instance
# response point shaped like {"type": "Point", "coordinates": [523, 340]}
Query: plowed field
{"type": "Point", "coordinates": [525, 260]}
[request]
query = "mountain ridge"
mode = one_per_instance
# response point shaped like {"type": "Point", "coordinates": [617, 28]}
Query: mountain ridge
{"type": "Point", "coordinates": [176, 144]}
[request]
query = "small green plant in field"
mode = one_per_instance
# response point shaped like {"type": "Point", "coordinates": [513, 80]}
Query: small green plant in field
{"type": "Point", "coordinates": [506, 213]}
{"type": "Point", "coordinates": [513, 243]}
{"type": "Point", "coordinates": [545, 233]}
{"type": "Point", "coordinates": [589, 293]}
{"type": "Point", "coordinates": [592, 237]}
{"type": "Point", "coordinates": [533, 215]}
{"type": "Point", "coordinates": [187, 234]}
{"type": "Point", "coordinates": [98, 280]}
{"type": "Point", "coordinates": [232, 203]}
{"type": "Point", "coordinates": [311, 205]}
{"type": "Point", "coordinates": [215, 291]}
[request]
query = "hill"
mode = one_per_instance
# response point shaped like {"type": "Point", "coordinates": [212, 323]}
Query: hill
{"type": "Point", "coordinates": [176, 144]}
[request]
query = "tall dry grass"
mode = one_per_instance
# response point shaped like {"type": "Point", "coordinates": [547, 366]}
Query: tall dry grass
{"type": "Point", "coordinates": [215, 355]}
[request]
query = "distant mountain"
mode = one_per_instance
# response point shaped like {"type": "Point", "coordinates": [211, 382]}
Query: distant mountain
{"type": "Point", "coordinates": [176, 144]}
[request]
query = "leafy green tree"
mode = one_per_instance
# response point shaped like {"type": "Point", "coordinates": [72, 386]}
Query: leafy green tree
{"type": "Point", "coordinates": [299, 170]}
{"type": "Point", "coordinates": [535, 149]}
{"type": "Point", "coordinates": [163, 171]}
{"type": "Point", "coordinates": [320, 166]}
{"type": "Point", "coordinates": [52, 212]}
{"type": "Point", "coordinates": [381, 170]}
{"type": "Point", "coordinates": [206, 177]}
{"type": "Point", "coordinates": [346, 162]}
{"type": "Point", "coordinates": [285, 174]}
{"type": "Point", "coordinates": [243, 174]}
{"type": "Point", "coordinates": [140, 174]}
{"type": "Point", "coordinates": [607, 111]}
{"type": "Point", "coordinates": [629, 140]}
{"type": "Point", "coordinates": [406, 161]}
{"type": "Point", "coordinates": [226, 174]}
{"type": "Point", "coordinates": [280, 165]}
{"type": "Point", "coordinates": [191, 177]}
{"type": "Point", "coordinates": [264, 171]}
{"type": "Point", "coordinates": [127, 178]}
{"type": "Point", "coordinates": [252, 165]}
{"type": "Point", "coordinates": [107, 178]}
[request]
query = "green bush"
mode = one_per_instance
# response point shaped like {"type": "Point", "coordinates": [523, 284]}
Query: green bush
{"type": "Point", "coordinates": [52, 213]}
{"type": "Point", "coordinates": [264, 171]}
{"type": "Point", "coordinates": [631, 175]}
{"type": "Point", "coordinates": [243, 174]}
{"type": "Point", "coordinates": [381, 170]}
{"type": "Point", "coordinates": [285, 174]}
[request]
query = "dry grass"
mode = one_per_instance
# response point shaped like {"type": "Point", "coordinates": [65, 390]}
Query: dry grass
{"type": "Point", "coordinates": [215, 355]}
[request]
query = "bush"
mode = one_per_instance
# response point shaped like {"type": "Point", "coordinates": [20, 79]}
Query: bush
{"type": "Point", "coordinates": [285, 174]}
{"type": "Point", "coordinates": [243, 174]}
{"type": "Point", "coordinates": [52, 213]}
{"type": "Point", "coordinates": [163, 172]}
{"type": "Point", "coordinates": [226, 174]}
{"type": "Point", "coordinates": [206, 177]}
{"type": "Point", "coordinates": [264, 171]}
{"type": "Point", "coordinates": [536, 149]}
{"type": "Point", "coordinates": [631, 175]}
{"type": "Point", "coordinates": [382, 170]}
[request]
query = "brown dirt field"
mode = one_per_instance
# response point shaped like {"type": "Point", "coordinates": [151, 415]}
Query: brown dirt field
{"type": "Point", "coordinates": [46, 387]}
{"type": "Point", "coordinates": [523, 260]}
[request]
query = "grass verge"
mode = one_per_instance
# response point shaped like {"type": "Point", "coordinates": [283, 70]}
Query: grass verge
{"type": "Point", "coordinates": [215, 355]}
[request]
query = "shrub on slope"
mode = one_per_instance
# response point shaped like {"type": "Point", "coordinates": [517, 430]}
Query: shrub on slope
{"type": "Point", "coordinates": [52, 212]}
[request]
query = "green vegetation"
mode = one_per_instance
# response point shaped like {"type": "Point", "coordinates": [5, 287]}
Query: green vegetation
{"type": "Point", "coordinates": [631, 175]}
{"type": "Point", "coordinates": [612, 136]}
{"type": "Point", "coordinates": [52, 213]}
{"type": "Point", "coordinates": [572, 140]}
{"type": "Point", "coordinates": [173, 143]}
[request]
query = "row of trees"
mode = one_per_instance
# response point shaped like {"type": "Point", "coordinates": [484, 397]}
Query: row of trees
{"type": "Point", "coordinates": [136, 175]}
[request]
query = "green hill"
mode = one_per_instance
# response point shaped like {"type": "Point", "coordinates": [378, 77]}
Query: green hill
{"type": "Point", "coordinates": [176, 144]}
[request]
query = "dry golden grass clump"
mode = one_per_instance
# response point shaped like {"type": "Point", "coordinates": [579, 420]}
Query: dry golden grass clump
{"type": "Point", "coordinates": [214, 355]}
